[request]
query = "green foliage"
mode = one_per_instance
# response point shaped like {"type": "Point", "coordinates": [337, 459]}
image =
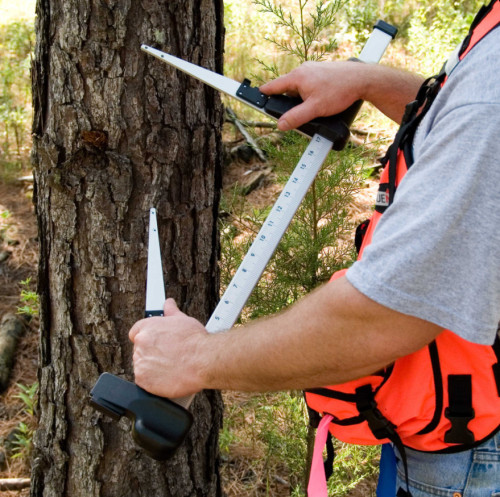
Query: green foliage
{"type": "Point", "coordinates": [4, 224]}
{"type": "Point", "coordinates": [296, 30]}
{"type": "Point", "coordinates": [5, 214]}
{"type": "Point", "coordinates": [29, 298]}
{"type": "Point", "coordinates": [16, 45]}
{"type": "Point", "coordinates": [302, 38]}
{"type": "Point", "coordinates": [427, 30]}
{"type": "Point", "coordinates": [243, 42]}
{"type": "Point", "coordinates": [21, 445]}
{"type": "Point", "coordinates": [312, 248]}
{"type": "Point", "coordinates": [353, 464]}
{"type": "Point", "coordinates": [283, 425]}
{"type": "Point", "coordinates": [226, 438]}
{"type": "Point", "coordinates": [277, 432]}
{"type": "Point", "coordinates": [436, 29]}
{"type": "Point", "coordinates": [359, 18]}
{"type": "Point", "coordinates": [28, 395]}
{"type": "Point", "coordinates": [283, 429]}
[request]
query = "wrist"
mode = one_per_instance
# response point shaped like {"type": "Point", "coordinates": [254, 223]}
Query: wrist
{"type": "Point", "coordinates": [368, 81]}
{"type": "Point", "coordinates": [202, 361]}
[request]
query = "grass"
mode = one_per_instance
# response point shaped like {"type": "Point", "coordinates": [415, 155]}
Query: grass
{"type": "Point", "coordinates": [22, 441]}
{"type": "Point", "coordinates": [29, 299]}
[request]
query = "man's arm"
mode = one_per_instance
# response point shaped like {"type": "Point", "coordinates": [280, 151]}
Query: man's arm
{"type": "Point", "coordinates": [332, 335]}
{"type": "Point", "coordinates": [328, 88]}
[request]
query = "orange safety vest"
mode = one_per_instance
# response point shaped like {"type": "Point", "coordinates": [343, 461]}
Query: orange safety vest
{"type": "Point", "coordinates": [444, 397]}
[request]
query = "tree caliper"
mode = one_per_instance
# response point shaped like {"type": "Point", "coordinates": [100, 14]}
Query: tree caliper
{"type": "Point", "coordinates": [159, 425]}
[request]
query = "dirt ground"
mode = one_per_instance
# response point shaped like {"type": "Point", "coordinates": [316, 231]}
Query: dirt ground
{"type": "Point", "coordinates": [19, 240]}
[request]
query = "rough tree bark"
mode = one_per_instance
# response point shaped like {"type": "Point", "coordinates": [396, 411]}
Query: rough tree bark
{"type": "Point", "coordinates": [115, 133]}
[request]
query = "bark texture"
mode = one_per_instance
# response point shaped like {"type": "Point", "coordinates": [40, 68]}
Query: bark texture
{"type": "Point", "coordinates": [115, 133]}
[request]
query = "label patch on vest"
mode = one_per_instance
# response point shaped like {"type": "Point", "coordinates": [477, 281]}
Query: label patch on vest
{"type": "Point", "coordinates": [382, 201]}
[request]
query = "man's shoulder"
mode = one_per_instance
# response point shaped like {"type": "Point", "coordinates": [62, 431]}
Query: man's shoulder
{"type": "Point", "coordinates": [470, 98]}
{"type": "Point", "coordinates": [475, 79]}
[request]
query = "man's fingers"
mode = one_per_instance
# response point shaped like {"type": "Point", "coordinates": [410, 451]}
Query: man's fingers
{"type": "Point", "coordinates": [170, 308]}
{"type": "Point", "coordinates": [297, 116]}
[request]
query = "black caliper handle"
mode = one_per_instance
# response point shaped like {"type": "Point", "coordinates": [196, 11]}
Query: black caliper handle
{"type": "Point", "coordinates": [159, 425]}
{"type": "Point", "coordinates": [334, 128]}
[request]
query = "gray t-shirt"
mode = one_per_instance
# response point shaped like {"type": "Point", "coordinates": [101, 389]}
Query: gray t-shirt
{"type": "Point", "coordinates": [436, 251]}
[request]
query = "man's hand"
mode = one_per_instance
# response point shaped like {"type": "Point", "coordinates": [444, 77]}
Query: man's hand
{"type": "Point", "coordinates": [164, 352]}
{"type": "Point", "coordinates": [329, 88]}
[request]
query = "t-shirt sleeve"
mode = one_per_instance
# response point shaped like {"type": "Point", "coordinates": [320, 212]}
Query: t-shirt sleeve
{"type": "Point", "coordinates": [435, 253]}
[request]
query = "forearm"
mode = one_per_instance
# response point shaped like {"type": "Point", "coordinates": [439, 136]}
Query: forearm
{"type": "Point", "coordinates": [390, 89]}
{"type": "Point", "coordinates": [331, 336]}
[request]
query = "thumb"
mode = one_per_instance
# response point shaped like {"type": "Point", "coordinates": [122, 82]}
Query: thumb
{"type": "Point", "coordinates": [283, 84]}
{"type": "Point", "coordinates": [170, 308]}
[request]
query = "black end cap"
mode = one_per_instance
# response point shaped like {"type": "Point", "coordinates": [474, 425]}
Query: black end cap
{"type": "Point", "coordinates": [386, 28]}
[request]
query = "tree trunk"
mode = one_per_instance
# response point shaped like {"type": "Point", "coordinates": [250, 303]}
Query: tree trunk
{"type": "Point", "coordinates": [115, 133]}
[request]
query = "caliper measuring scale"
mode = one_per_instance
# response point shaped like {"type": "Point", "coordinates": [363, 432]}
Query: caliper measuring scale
{"type": "Point", "coordinates": [265, 243]}
{"type": "Point", "coordinates": [159, 425]}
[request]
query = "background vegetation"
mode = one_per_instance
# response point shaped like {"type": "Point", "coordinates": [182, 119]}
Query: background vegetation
{"type": "Point", "coordinates": [265, 438]}
{"type": "Point", "coordinates": [17, 39]}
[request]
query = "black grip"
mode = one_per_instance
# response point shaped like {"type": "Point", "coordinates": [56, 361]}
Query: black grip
{"type": "Point", "coordinates": [150, 314]}
{"type": "Point", "coordinates": [159, 425]}
{"type": "Point", "coordinates": [334, 128]}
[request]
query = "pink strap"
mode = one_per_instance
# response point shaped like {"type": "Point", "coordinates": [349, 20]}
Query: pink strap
{"type": "Point", "coordinates": [317, 478]}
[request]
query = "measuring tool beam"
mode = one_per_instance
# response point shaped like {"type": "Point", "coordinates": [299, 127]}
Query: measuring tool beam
{"type": "Point", "coordinates": [155, 287]}
{"type": "Point", "coordinates": [335, 128]}
{"type": "Point", "coordinates": [255, 261]}
{"type": "Point", "coordinates": [270, 234]}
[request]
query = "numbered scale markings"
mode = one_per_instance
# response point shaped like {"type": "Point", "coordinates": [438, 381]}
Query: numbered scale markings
{"type": "Point", "coordinates": [266, 241]}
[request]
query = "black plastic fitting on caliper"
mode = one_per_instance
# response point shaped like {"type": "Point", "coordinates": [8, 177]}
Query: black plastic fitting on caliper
{"type": "Point", "coordinates": [159, 425]}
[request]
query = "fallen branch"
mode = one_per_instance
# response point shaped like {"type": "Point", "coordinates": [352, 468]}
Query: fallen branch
{"type": "Point", "coordinates": [258, 124]}
{"type": "Point", "coordinates": [253, 179]}
{"type": "Point", "coordinates": [27, 179]}
{"type": "Point", "coordinates": [248, 138]}
{"type": "Point", "coordinates": [11, 329]}
{"type": "Point", "coordinates": [254, 124]}
{"type": "Point", "coordinates": [14, 483]}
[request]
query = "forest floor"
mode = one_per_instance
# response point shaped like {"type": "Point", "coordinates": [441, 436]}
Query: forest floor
{"type": "Point", "coordinates": [18, 237]}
